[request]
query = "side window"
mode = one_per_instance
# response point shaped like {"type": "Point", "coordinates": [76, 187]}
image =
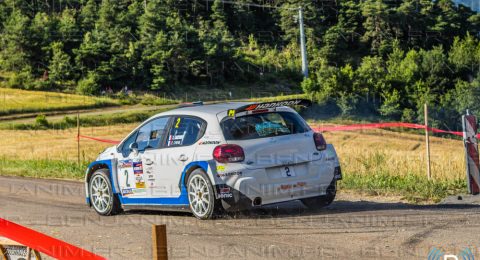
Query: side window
{"type": "Point", "coordinates": [126, 145]}
{"type": "Point", "coordinates": [150, 135]}
{"type": "Point", "coordinates": [185, 131]}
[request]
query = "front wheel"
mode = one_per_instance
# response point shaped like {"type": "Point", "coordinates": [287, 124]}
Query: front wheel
{"type": "Point", "coordinates": [201, 195]}
{"type": "Point", "coordinates": [324, 200]}
{"type": "Point", "coordinates": [101, 194]}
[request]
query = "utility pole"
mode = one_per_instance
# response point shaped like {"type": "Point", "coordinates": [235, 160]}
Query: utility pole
{"type": "Point", "coordinates": [78, 138]}
{"type": "Point", "coordinates": [303, 43]}
{"type": "Point", "coordinates": [427, 141]}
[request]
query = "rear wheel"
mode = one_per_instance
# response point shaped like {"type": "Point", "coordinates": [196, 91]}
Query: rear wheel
{"type": "Point", "coordinates": [201, 195]}
{"type": "Point", "coordinates": [101, 194]}
{"type": "Point", "coordinates": [324, 200]}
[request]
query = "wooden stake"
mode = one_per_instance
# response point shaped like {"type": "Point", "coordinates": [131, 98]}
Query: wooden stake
{"type": "Point", "coordinates": [78, 138]}
{"type": "Point", "coordinates": [159, 242]}
{"type": "Point", "coordinates": [427, 140]}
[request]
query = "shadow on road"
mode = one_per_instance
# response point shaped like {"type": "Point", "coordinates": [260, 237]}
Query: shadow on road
{"type": "Point", "coordinates": [297, 209]}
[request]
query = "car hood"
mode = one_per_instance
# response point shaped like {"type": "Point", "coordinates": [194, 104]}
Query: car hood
{"type": "Point", "coordinates": [107, 154]}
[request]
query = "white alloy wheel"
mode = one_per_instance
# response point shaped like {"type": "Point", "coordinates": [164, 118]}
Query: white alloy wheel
{"type": "Point", "coordinates": [101, 194]}
{"type": "Point", "coordinates": [200, 195]}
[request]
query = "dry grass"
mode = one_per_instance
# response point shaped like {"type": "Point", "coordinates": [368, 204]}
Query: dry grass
{"type": "Point", "coordinates": [400, 154]}
{"type": "Point", "coordinates": [361, 152]}
{"type": "Point", "coordinates": [18, 101]}
{"type": "Point", "coordinates": [58, 144]}
{"type": "Point", "coordinates": [376, 162]}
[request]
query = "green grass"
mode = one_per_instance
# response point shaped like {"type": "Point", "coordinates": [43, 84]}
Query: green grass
{"type": "Point", "coordinates": [85, 121]}
{"type": "Point", "coordinates": [16, 101]}
{"type": "Point", "coordinates": [413, 188]}
{"type": "Point", "coordinates": [42, 168]}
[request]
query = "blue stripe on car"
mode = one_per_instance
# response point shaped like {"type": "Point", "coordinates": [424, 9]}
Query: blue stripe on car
{"type": "Point", "coordinates": [179, 201]}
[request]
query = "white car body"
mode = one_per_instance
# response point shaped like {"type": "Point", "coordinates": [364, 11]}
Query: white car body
{"type": "Point", "coordinates": [274, 169]}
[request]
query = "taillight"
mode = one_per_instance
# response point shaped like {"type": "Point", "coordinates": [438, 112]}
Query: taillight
{"type": "Point", "coordinates": [228, 153]}
{"type": "Point", "coordinates": [320, 142]}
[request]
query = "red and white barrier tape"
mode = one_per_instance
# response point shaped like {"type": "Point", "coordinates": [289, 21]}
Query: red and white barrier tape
{"type": "Point", "coordinates": [98, 139]}
{"type": "Point", "coordinates": [382, 125]}
{"type": "Point", "coordinates": [43, 243]}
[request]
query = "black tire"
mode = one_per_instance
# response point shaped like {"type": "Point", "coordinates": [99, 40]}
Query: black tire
{"type": "Point", "coordinates": [112, 205]}
{"type": "Point", "coordinates": [324, 200]}
{"type": "Point", "coordinates": [213, 207]}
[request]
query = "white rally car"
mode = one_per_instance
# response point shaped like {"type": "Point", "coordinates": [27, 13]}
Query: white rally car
{"type": "Point", "coordinates": [210, 158]}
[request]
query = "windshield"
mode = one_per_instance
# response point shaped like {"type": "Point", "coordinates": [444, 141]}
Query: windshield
{"type": "Point", "coordinates": [263, 125]}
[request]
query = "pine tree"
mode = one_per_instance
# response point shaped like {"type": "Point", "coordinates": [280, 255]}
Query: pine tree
{"type": "Point", "coordinates": [60, 67]}
{"type": "Point", "coordinates": [15, 43]}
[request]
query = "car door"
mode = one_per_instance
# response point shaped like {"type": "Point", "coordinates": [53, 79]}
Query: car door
{"type": "Point", "coordinates": [167, 164]}
{"type": "Point", "coordinates": [134, 173]}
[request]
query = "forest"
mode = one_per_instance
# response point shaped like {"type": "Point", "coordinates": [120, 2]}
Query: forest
{"type": "Point", "coordinates": [381, 57]}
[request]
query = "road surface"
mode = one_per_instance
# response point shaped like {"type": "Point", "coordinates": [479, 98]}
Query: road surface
{"type": "Point", "coordinates": [348, 229]}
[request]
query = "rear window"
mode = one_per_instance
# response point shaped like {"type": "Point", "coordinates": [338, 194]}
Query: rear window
{"type": "Point", "coordinates": [263, 125]}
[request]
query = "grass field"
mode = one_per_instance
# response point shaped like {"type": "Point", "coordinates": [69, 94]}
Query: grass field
{"type": "Point", "coordinates": [129, 116]}
{"type": "Point", "coordinates": [376, 162]}
{"type": "Point", "coordinates": [14, 101]}
{"type": "Point", "coordinates": [384, 162]}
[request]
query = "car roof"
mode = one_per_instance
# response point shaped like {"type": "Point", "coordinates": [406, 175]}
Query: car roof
{"type": "Point", "coordinates": [213, 108]}
{"type": "Point", "coordinates": [205, 110]}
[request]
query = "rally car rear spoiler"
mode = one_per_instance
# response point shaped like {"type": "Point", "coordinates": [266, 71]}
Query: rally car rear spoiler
{"type": "Point", "coordinates": [267, 107]}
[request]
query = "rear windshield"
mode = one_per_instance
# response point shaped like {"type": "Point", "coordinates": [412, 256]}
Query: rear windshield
{"type": "Point", "coordinates": [263, 125]}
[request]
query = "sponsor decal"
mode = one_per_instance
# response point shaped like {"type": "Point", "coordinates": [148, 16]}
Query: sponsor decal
{"type": "Point", "coordinates": [137, 168]}
{"type": "Point", "coordinates": [228, 174]}
{"type": "Point", "coordinates": [225, 190]}
{"type": "Point", "coordinates": [270, 105]}
{"type": "Point", "coordinates": [125, 164]}
{"type": "Point", "coordinates": [126, 192]}
{"type": "Point", "coordinates": [175, 140]}
{"type": "Point", "coordinates": [208, 142]}
{"type": "Point", "coordinates": [138, 191]}
{"type": "Point", "coordinates": [225, 193]}
{"type": "Point", "coordinates": [231, 112]}
{"type": "Point", "coordinates": [274, 104]}
{"type": "Point", "coordinates": [138, 171]}
{"type": "Point", "coordinates": [285, 187]}
{"type": "Point", "coordinates": [139, 181]}
{"type": "Point", "coordinates": [221, 168]}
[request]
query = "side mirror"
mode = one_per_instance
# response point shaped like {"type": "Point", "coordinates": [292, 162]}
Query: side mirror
{"type": "Point", "coordinates": [133, 147]}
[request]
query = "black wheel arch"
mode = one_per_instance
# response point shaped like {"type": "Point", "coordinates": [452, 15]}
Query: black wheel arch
{"type": "Point", "coordinates": [96, 167]}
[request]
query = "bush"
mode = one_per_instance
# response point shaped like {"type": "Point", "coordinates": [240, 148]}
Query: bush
{"type": "Point", "coordinates": [347, 102]}
{"type": "Point", "coordinates": [41, 121]}
{"type": "Point", "coordinates": [22, 80]}
{"type": "Point", "coordinates": [88, 85]}
{"type": "Point", "coordinates": [43, 85]}
{"type": "Point", "coordinates": [152, 100]}
{"type": "Point", "coordinates": [308, 85]}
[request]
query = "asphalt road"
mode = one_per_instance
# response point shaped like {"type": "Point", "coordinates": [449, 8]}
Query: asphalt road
{"type": "Point", "coordinates": [348, 229]}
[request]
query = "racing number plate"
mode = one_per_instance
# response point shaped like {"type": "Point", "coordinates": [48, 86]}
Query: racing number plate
{"type": "Point", "coordinates": [288, 171]}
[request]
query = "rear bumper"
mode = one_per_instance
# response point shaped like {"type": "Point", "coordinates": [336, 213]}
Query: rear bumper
{"type": "Point", "coordinates": [247, 192]}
